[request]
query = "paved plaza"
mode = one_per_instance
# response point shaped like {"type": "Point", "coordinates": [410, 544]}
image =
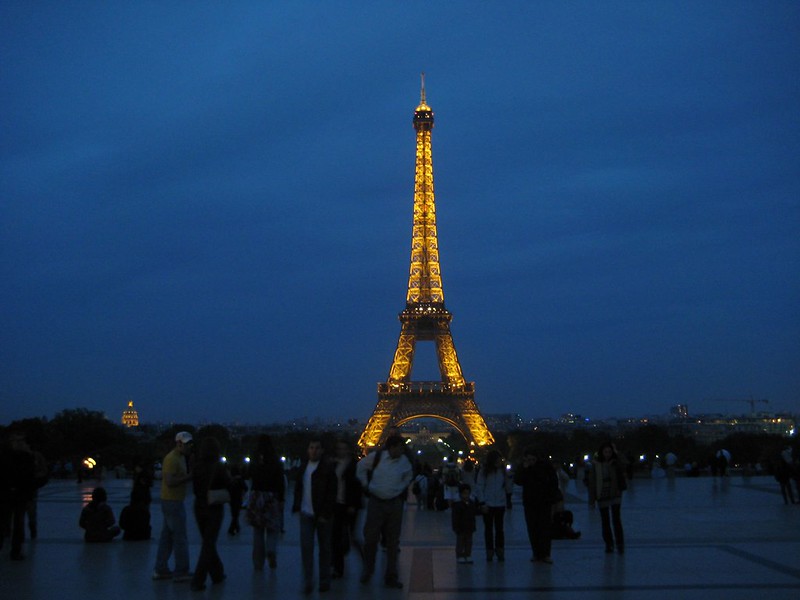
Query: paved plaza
{"type": "Point", "coordinates": [685, 538]}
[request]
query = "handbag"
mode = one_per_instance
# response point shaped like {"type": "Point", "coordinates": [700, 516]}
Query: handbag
{"type": "Point", "coordinates": [220, 496]}
{"type": "Point", "coordinates": [264, 510]}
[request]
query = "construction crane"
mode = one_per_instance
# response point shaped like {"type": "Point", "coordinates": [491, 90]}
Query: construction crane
{"type": "Point", "coordinates": [751, 401]}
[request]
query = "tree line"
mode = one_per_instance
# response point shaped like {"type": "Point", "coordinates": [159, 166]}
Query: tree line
{"type": "Point", "coordinates": [74, 434]}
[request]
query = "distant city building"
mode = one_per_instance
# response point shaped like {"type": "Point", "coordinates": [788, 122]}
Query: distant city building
{"type": "Point", "coordinates": [130, 418]}
{"type": "Point", "coordinates": [679, 410]}
{"type": "Point", "coordinates": [707, 429]}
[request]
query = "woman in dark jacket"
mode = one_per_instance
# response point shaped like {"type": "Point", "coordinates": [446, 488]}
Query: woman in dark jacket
{"type": "Point", "coordinates": [209, 474]}
{"type": "Point", "coordinates": [265, 503]}
{"type": "Point", "coordinates": [606, 484]}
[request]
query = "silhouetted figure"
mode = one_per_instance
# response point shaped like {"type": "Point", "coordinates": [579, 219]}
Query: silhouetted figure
{"type": "Point", "coordinates": [784, 471]}
{"type": "Point", "coordinates": [41, 475]}
{"type": "Point", "coordinates": [265, 502]}
{"type": "Point", "coordinates": [348, 503]}
{"type": "Point", "coordinates": [17, 486]}
{"type": "Point", "coordinates": [97, 518]}
{"type": "Point", "coordinates": [135, 518]}
{"type": "Point", "coordinates": [491, 488]}
{"type": "Point", "coordinates": [463, 519]}
{"type": "Point", "coordinates": [210, 475]}
{"type": "Point", "coordinates": [315, 501]}
{"type": "Point", "coordinates": [539, 483]}
{"type": "Point", "coordinates": [607, 482]}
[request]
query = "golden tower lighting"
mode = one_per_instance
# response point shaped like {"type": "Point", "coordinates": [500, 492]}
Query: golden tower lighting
{"type": "Point", "coordinates": [425, 318]}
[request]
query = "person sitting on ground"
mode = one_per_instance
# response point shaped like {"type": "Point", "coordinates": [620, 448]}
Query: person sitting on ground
{"type": "Point", "coordinates": [97, 518]}
{"type": "Point", "coordinates": [135, 518]}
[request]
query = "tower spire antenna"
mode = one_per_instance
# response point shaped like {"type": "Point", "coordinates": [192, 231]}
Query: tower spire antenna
{"type": "Point", "coordinates": [422, 88]}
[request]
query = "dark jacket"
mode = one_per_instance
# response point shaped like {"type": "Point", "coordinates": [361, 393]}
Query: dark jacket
{"type": "Point", "coordinates": [323, 490]}
{"type": "Point", "coordinates": [268, 477]}
{"type": "Point", "coordinates": [539, 484]}
{"type": "Point", "coordinates": [213, 476]}
{"type": "Point", "coordinates": [353, 492]}
{"type": "Point", "coordinates": [464, 516]}
{"type": "Point", "coordinates": [97, 519]}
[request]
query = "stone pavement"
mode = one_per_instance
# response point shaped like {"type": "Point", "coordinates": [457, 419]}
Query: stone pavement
{"type": "Point", "coordinates": [685, 538]}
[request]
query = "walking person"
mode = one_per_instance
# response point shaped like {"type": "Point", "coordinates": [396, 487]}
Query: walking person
{"type": "Point", "coordinates": [385, 475]}
{"type": "Point", "coordinates": [17, 487]}
{"type": "Point", "coordinates": [348, 503]}
{"type": "Point", "coordinates": [539, 492]}
{"type": "Point", "coordinates": [491, 487]}
{"type": "Point", "coordinates": [463, 518]}
{"type": "Point", "coordinates": [175, 475]}
{"type": "Point", "coordinates": [211, 485]}
{"type": "Point", "coordinates": [265, 503]}
{"type": "Point", "coordinates": [606, 484]}
{"type": "Point", "coordinates": [315, 500]}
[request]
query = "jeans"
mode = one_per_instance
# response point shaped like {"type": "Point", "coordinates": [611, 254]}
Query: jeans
{"type": "Point", "coordinates": [606, 520]}
{"type": "Point", "coordinates": [264, 542]}
{"type": "Point", "coordinates": [344, 523]}
{"type": "Point", "coordinates": [464, 544]}
{"type": "Point", "coordinates": [310, 525]}
{"type": "Point", "coordinates": [493, 533]}
{"type": "Point", "coordinates": [538, 520]}
{"type": "Point", "coordinates": [173, 537]}
{"type": "Point", "coordinates": [383, 516]}
{"type": "Point", "coordinates": [209, 520]}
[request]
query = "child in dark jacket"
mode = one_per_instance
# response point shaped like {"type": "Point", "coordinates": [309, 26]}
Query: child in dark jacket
{"type": "Point", "coordinates": [97, 518]}
{"type": "Point", "coordinates": [464, 510]}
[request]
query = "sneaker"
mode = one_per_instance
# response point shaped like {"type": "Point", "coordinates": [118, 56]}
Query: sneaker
{"type": "Point", "coordinates": [182, 577]}
{"type": "Point", "coordinates": [468, 560]}
{"type": "Point", "coordinates": [160, 575]}
{"type": "Point", "coordinates": [461, 560]}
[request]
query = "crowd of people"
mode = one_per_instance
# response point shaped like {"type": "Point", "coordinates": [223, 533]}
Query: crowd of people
{"type": "Point", "coordinates": [328, 493]}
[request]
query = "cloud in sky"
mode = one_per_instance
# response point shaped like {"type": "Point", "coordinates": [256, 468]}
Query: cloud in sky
{"type": "Point", "coordinates": [208, 209]}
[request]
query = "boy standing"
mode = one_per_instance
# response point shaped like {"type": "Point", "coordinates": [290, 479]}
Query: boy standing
{"type": "Point", "coordinates": [464, 523]}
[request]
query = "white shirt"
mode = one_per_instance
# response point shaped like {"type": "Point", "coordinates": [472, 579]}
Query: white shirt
{"type": "Point", "coordinates": [389, 479]}
{"type": "Point", "coordinates": [306, 505]}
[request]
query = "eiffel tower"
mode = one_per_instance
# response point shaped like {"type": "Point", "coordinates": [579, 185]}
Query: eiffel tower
{"type": "Point", "coordinates": [425, 318]}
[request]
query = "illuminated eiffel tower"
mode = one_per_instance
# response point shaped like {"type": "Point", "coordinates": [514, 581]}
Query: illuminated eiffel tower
{"type": "Point", "coordinates": [425, 318]}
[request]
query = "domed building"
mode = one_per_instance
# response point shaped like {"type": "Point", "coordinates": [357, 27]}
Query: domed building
{"type": "Point", "coordinates": [130, 418]}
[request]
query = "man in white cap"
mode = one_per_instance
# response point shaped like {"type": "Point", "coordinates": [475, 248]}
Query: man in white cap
{"type": "Point", "coordinates": [174, 476]}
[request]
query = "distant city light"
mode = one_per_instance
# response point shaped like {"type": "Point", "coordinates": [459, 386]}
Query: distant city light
{"type": "Point", "coordinates": [247, 459]}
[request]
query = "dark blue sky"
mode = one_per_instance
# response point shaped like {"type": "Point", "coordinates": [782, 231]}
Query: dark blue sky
{"type": "Point", "coordinates": [206, 208]}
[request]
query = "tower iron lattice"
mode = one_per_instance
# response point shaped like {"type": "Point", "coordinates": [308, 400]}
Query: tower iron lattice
{"type": "Point", "coordinates": [425, 318]}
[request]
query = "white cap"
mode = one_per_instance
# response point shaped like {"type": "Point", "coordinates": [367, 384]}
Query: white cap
{"type": "Point", "coordinates": [183, 436]}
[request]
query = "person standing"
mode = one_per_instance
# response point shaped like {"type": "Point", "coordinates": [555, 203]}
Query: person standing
{"type": "Point", "coordinates": [210, 475]}
{"type": "Point", "coordinates": [315, 500]}
{"type": "Point", "coordinates": [491, 487]}
{"type": "Point", "coordinates": [348, 503]}
{"type": "Point", "coordinates": [539, 492]}
{"type": "Point", "coordinates": [385, 475]}
{"type": "Point", "coordinates": [265, 503]}
{"type": "Point", "coordinates": [17, 487]}
{"type": "Point", "coordinates": [606, 484]}
{"type": "Point", "coordinates": [175, 475]}
{"type": "Point", "coordinates": [463, 517]}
